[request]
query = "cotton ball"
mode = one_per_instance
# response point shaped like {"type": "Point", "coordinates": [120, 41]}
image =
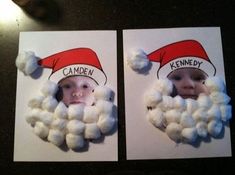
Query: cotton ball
{"type": "Point", "coordinates": [226, 112]}
{"type": "Point", "coordinates": [46, 117]}
{"type": "Point", "coordinates": [187, 120]}
{"type": "Point", "coordinates": [220, 98]}
{"type": "Point", "coordinates": [200, 115]}
{"type": "Point", "coordinates": [104, 107]}
{"type": "Point", "coordinates": [56, 137]}
{"type": "Point", "coordinates": [167, 103]}
{"type": "Point", "coordinates": [137, 60]}
{"type": "Point", "coordinates": [76, 111]}
{"type": "Point", "coordinates": [103, 93]}
{"type": "Point", "coordinates": [201, 129]}
{"type": "Point", "coordinates": [191, 105]}
{"type": "Point", "coordinates": [41, 130]}
{"type": "Point", "coordinates": [204, 101]}
{"type": "Point", "coordinates": [172, 115]}
{"type": "Point", "coordinates": [75, 127]}
{"type": "Point", "coordinates": [152, 98]}
{"type": "Point", "coordinates": [214, 127]}
{"type": "Point", "coordinates": [49, 104]}
{"type": "Point", "coordinates": [74, 141]}
{"type": "Point", "coordinates": [91, 114]}
{"type": "Point", "coordinates": [173, 130]}
{"type": "Point", "coordinates": [92, 131]}
{"type": "Point", "coordinates": [59, 124]}
{"type": "Point", "coordinates": [189, 134]}
{"type": "Point", "coordinates": [61, 111]}
{"type": "Point", "coordinates": [214, 113]}
{"type": "Point", "coordinates": [157, 118]}
{"type": "Point", "coordinates": [179, 103]}
{"type": "Point", "coordinates": [27, 62]}
{"type": "Point", "coordinates": [36, 102]}
{"type": "Point", "coordinates": [215, 84]}
{"type": "Point", "coordinates": [105, 123]}
{"type": "Point", "coordinates": [33, 116]}
{"type": "Point", "coordinates": [49, 88]}
{"type": "Point", "coordinates": [165, 86]}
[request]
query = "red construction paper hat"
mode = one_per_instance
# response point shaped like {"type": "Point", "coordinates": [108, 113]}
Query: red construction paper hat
{"type": "Point", "coordinates": [74, 62]}
{"type": "Point", "coordinates": [182, 54]}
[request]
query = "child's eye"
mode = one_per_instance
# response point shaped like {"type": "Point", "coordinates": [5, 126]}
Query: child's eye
{"type": "Point", "coordinates": [84, 86]}
{"type": "Point", "coordinates": [198, 78]}
{"type": "Point", "coordinates": [66, 86]}
{"type": "Point", "coordinates": [176, 78]}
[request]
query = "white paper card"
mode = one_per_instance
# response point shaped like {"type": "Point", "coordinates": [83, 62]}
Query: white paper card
{"type": "Point", "coordinates": [144, 141]}
{"type": "Point", "coordinates": [28, 146]}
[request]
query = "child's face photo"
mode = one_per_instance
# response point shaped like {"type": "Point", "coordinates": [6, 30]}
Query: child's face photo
{"type": "Point", "coordinates": [77, 90]}
{"type": "Point", "coordinates": [189, 82]}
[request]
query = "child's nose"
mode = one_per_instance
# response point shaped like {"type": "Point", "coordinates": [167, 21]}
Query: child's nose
{"type": "Point", "coordinates": [77, 92]}
{"type": "Point", "coordinates": [188, 83]}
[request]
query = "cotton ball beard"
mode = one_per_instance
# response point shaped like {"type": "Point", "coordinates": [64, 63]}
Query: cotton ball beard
{"type": "Point", "coordinates": [187, 120]}
{"type": "Point", "coordinates": [73, 125]}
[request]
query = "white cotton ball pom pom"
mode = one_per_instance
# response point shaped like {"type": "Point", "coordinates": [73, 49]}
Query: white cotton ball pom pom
{"type": "Point", "coordinates": [76, 111]}
{"type": "Point", "coordinates": [36, 102]}
{"type": "Point", "coordinates": [167, 103]}
{"type": "Point", "coordinates": [214, 113]}
{"type": "Point", "coordinates": [33, 116]}
{"type": "Point", "coordinates": [187, 120]}
{"type": "Point", "coordinates": [91, 114]}
{"type": "Point", "coordinates": [56, 137]}
{"type": "Point", "coordinates": [27, 62]}
{"type": "Point", "coordinates": [49, 88]}
{"type": "Point", "coordinates": [59, 124]}
{"type": "Point", "coordinates": [103, 93]}
{"type": "Point", "coordinates": [61, 111]}
{"type": "Point", "coordinates": [173, 130]}
{"type": "Point", "coordinates": [214, 127]}
{"type": "Point", "coordinates": [172, 115]}
{"type": "Point", "coordinates": [75, 127]}
{"type": "Point", "coordinates": [41, 130]}
{"type": "Point", "coordinates": [104, 107]}
{"type": "Point", "coordinates": [215, 84]}
{"type": "Point", "coordinates": [49, 104]}
{"type": "Point", "coordinates": [157, 118]}
{"type": "Point", "coordinates": [137, 60]}
{"type": "Point", "coordinates": [106, 123]}
{"type": "Point", "coordinates": [201, 129]}
{"type": "Point", "coordinates": [179, 103]}
{"type": "Point", "coordinates": [220, 98]}
{"type": "Point", "coordinates": [92, 131]}
{"type": "Point", "coordinates": [189, 134]}
{"type": "Point", "coordinates": [191, 105]}
{"type": "Point", "coordinates": [200, 115]}
{"type": "Point", "coordinates": [226, 112]}
{"type": "Point", "coordinates": [46, 117]}
{"type": "Point", "coordinates": [74, 141]}
{"type": "Point", "coordinates": [165, 86]}
{"type": "Point", "coordinates": [204, 101]}
{"type": "Point", "coordinates": [152, 98]}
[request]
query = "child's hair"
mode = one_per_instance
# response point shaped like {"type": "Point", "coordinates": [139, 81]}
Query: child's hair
{"type": "Point", "coordinates": [59, 94]}
{"type": "Point", "coordinates": [174, 91]}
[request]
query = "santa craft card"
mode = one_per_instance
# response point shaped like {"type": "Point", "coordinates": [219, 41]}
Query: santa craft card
{"type": "Point", "coordinates": [175, 94]}
{"type": "Point", "coordinates": [66, 103]}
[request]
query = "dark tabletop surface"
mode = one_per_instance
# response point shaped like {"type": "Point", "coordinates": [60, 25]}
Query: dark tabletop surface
{"type": "Point", "coordinates": [111, 15]}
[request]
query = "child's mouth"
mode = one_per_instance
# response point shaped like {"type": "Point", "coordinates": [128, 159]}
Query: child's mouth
{"type": "Point", "coordinates": [185, 96]}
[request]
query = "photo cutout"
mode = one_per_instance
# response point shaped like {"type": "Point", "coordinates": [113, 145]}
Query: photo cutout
{"type": "Point", "coordinates": [66, 104]}
{"type": "Point", "coordinates": [179, 107]}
